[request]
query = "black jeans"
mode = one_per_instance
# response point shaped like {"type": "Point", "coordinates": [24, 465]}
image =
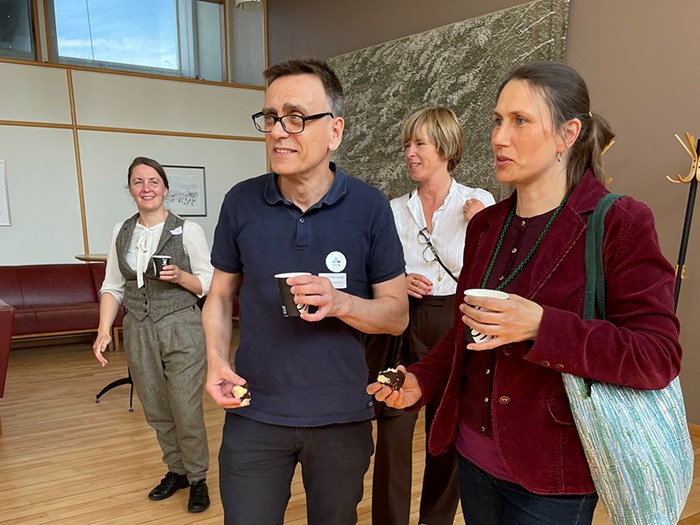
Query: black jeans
{"type": "Point", "coordinates": [257, 462]}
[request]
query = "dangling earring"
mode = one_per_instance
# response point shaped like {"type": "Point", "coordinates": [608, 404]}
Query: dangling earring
{"type": "Point", "coordinates": [558, 157]}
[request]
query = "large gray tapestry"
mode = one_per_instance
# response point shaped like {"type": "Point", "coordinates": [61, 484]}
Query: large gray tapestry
{"type": "Point", "coordinates": [459, 65]}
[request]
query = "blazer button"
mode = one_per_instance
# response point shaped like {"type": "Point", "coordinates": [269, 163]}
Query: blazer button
{"type": "Point", "coordinates": [507, 350]}
{"type": "Point", "coordinates": [545, 363]}
{"type": "Point", "coordinates": [504, 400]}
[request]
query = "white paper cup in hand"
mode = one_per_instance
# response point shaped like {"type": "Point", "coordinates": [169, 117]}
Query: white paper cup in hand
{"type": "Point", "coordinates": [483, 292]}
{"type": "Point", "coordinates": [289, 307]}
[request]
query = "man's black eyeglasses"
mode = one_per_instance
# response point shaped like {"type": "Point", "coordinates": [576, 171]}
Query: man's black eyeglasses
{"type": "Point", "coordinates": [292, 124]}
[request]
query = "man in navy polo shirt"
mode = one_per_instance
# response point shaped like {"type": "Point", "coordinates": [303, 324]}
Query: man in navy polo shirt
{"type": "Point", "coordinates": [307, 375]}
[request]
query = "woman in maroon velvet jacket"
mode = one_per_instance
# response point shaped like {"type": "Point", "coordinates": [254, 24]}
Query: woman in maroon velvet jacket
{"type": "Point", "coordinates": [503, 400]}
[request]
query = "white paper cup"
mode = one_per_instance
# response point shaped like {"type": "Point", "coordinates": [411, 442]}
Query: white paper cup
{"type": "Point", "coordinates": [159, 261]}
{"type": "Point", "coordinates": [289, 307]}
{"type": "Point", "coordinates": [483, 292]}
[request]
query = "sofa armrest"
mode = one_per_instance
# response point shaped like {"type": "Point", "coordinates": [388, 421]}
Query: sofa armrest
{"type": "Point", "coordinates": [7, 317]}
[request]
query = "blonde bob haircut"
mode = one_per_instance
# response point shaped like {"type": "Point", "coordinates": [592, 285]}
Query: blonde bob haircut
{"type": "Point", "coordinates": [442, 129]}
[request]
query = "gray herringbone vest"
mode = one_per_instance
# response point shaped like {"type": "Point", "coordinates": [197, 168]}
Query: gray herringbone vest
{"type": "Point", "coordinates": [157, 298]}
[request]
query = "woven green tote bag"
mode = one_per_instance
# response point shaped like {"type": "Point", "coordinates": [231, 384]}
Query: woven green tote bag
{"type": "Point", "coordinates": [636, 441]}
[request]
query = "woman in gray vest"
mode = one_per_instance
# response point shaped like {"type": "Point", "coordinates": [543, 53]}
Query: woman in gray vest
{"type": "Point", "coordinates": [163, 335]}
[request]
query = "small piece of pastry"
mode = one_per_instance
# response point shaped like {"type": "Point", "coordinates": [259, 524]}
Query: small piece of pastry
{"type": "Point", "coordinates": [242, 392]}
{"type": "Point", "coordinates": [392, 378]}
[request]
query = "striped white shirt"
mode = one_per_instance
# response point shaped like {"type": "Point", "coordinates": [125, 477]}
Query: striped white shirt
{"type": "Point", "coordinates": [447, 237]}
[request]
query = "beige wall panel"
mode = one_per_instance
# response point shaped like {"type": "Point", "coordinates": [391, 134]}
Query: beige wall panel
{"type": "Point", "coordinates": [637, 59]}
{"type": "Point", "coordinates": [34, 94]}
{"type": "Point", "coordinates": [367, 23]}
{"type": "Point", "coordinates": [106, 157]}
{"type": "Point", "coordinates": [165, 105]}
{"type": "Point", "coordinates": [43, 195]}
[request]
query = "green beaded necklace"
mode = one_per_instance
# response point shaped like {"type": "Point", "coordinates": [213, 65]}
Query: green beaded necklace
{"type": "Point", "coordinates": [527, 258]}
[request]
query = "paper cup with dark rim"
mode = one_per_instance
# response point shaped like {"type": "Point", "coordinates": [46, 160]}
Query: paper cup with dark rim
{"type": "Point", "coordinates": [289, 307]}
{"type": "Point", "coordinates": [159, 261]}
{"type": "Point", "coordinates": [478, 337]}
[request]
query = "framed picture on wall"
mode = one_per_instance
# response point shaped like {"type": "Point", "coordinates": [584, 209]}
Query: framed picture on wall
{"type": "Point", "coordinates": [188, 194]}
{"type": "Point", "coordinates": [4, 199]}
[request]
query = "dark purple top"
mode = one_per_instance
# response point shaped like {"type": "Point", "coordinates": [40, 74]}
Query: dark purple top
{"type": "Point", "coordinates": [475, 438]}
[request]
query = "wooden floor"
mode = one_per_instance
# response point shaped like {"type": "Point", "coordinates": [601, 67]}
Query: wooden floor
{"type": "Point", "coordinates": [66, 460]}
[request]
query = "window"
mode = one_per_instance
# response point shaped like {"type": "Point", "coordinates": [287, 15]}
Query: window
{"type": "Point", "coordinates": [171, 37]}
{"type": "Point", "coordinates": [16, 34]}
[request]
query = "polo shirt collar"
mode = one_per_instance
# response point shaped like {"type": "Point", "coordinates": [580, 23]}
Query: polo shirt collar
{"type": "Point", "coordinates": [335, 192]}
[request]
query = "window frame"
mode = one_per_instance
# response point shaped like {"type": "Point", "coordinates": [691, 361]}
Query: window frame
{"type": "Point", "coordinates": [32, 54]}
{"type": "Point", "coordinates": [185, 15]}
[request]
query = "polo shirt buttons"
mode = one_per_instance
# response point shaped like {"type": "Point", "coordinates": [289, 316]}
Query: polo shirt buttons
{"type": "Point", "coordinates": [507, 350]}
{"type": "Point", "coordinates": [486, 400]}
{"type": "Point", "coordinates": [483, 430]}
{"type": "Point", "coordinates": [545, 363]}
{"type": "Point", "coordinates": [301, 220]}
{"type": "Point", "coordinates": [504, 400]}
{"type": "Point", "coordinates": [559, 366]}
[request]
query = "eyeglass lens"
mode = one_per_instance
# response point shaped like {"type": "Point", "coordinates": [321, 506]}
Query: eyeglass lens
{"type": "Point", "coordinates": [424, 236]}
{"type": "Point", "coordinates": [290, 123]}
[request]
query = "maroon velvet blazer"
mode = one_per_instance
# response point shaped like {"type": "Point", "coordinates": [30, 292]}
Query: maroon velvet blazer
{"type": "Point", "coordinates": [637, 345]}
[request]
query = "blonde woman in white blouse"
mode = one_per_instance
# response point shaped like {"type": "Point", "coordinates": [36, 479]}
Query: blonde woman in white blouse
{"type": "Point", "coordinates": [163, 334]}
{"type": "Point", "coordinates": [432, 222]}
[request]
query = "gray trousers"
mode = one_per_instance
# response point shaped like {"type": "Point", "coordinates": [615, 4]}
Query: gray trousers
{"type": "Point", "coordinates": [167, 361]}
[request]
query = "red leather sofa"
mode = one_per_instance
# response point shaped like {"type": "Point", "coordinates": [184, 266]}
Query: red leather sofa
{"type": "Point", "coordinates": [7, 316]}
{"type": "Point", "coordinates": [48, 300]}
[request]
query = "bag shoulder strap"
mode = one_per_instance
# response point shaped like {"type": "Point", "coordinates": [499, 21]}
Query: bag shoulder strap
{"type": "Point", "coordinates": [595, 280]}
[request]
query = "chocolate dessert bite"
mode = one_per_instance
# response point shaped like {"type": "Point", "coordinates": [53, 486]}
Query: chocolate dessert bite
{"type": "Point", "coordinates": [242, 392]}
{"type": "Point", "coordinates": [392, 378]}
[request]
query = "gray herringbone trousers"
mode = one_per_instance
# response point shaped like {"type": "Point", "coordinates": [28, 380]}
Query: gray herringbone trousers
{"type": "Point", "coordinates": [167, 361]}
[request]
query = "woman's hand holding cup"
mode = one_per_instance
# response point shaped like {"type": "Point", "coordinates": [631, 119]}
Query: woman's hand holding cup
{"type": "Point", "coordinates": [477, 304]}
{"type": "Point", "coordinates": [495, 318]}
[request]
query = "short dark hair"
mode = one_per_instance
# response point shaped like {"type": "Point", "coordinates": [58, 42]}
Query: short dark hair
{"type": "Point", "coordinates": [138, 161]}
{"type": "Point", "coordinates": [311, 66]}
{"type": "Point", "coordinates": [566, 94]}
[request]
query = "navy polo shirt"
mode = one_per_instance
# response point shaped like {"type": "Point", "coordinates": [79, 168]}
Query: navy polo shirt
{"type": "Point", "coordinates": [302, 373]}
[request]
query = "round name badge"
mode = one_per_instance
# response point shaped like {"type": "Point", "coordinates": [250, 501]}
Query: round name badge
{"type": "Point", "coordinates": [336, 262]}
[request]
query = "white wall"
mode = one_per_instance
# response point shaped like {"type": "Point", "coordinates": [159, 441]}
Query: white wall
{"type": "Point", "coordinates": [43, 196]}
{"type": "Point", "coordinates": [34, 94]}
{"type": "Point", "coordinates": [106, 157]}
{"type": "Point", "coordinates": [117, 117]}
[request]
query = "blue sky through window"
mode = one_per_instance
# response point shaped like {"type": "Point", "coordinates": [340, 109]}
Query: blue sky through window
{"type": "Point", "coordinates": [136, 32]}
